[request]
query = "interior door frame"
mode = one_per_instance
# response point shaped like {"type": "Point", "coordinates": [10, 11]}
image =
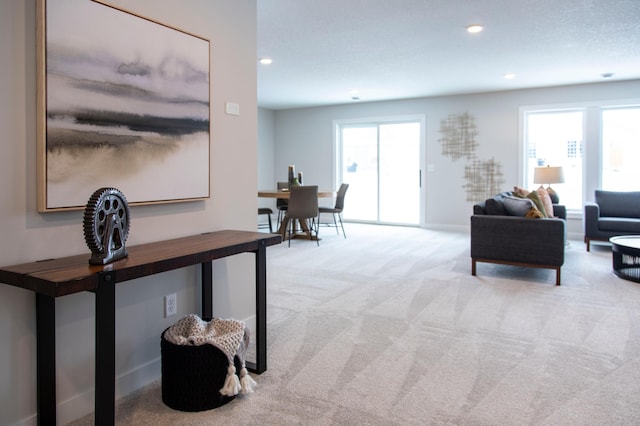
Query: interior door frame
{"type": "Point", "coordinates": [377, 120]}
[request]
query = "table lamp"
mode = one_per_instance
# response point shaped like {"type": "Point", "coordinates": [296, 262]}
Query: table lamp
{"type": "Point", "coordinates": [549, 175]}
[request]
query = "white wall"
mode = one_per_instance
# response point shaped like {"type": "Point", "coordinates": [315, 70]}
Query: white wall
{"type": "Point", "coordinates": [304, 137]}
{"type": "Point", "coordinates": [266, 148]}
{"type": "Point", "coordinates": [230, 25]}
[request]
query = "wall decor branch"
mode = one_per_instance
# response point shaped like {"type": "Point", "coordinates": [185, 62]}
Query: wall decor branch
{"type": "Point", "coordinates": [458, 136]}
{"type": "Point", "coordinates": [483, 179]}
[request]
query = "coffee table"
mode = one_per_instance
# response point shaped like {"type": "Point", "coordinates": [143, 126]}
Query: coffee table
{"type": "Point", "coordinates": [626, 256]}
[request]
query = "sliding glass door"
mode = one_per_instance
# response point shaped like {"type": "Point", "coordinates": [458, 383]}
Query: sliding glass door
{"type": "Point", "coordinates": [381, 163]}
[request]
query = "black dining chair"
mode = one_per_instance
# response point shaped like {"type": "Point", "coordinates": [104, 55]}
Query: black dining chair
{"type": "Point", "coordinates": [282, 203]}
{"type": "Point", "coordinates": [268, 212]}
{"type": "Point", "coordinates": [303, 207]}
{"type": "Point", "coordinates": [336, 210]}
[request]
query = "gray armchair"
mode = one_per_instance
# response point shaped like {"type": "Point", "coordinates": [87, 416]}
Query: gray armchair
{"type": "Point", "coordinates": [612, 213]}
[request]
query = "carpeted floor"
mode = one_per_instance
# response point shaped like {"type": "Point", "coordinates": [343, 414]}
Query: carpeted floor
{"type": "Point", "coordinates": [388, 327]}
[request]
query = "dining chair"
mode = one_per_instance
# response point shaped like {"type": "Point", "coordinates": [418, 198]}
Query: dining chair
{"type": "Point", "coordinates": [336, 210]}
{"type": "Point", "coordinates": [266, 211]}
{"type": "Point", "coordinates": [282, 203]}
{"type": "Point", "coordinates": [303, 207]}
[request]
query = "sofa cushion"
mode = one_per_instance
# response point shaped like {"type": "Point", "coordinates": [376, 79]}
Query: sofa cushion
{"type": "Point", "coordinates": [520, 192]}
{"type": "Point", "coordinates": [618, 204]}
{"type": "Point", "coordinates": [545, 198]}
{"type": "Point", "coordinates": [493, 206]}
{"type": "Point", "coordinates": [516, 206]}
{"type": "Point", "coordinates": [534, 213]}
{"type": "Point", "coordinates": [533, 196]}
{"type": "Point", "coordinates": [539, 199]}
{"type": "Point", "coordinates": [619, 224]}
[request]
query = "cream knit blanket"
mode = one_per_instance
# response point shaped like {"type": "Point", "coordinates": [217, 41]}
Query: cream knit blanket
{"type": "Point", "coordinates": [228, 335]}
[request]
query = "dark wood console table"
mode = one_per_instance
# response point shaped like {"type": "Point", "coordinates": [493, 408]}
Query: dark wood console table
{"type": "Point", "coordinates": [60, 277]}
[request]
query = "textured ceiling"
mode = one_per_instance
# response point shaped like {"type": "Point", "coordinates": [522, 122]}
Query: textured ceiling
{"type": "Point", "coordinates": [323, 49]}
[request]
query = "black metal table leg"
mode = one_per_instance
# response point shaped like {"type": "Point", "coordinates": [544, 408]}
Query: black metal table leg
{"type": "Point", "coordinates": [46, 358]}
{"type": "Point", "coordinates": [261, 310]}
{"type": "Point", "coordinates": [207, 290]}
{"type": "Point", "coordinates": [105, 349]}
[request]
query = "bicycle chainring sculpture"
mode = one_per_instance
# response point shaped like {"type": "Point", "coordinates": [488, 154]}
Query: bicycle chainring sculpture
{"type": "Point", "coordinates": [106, 225]}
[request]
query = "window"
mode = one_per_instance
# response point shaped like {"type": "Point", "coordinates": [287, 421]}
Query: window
{"type": "Point", "coordinates": [620, 149]}
{"type": "Point", "coordinates": [554, 138]}
{"type": "Point", "coordinates": [596, 145]}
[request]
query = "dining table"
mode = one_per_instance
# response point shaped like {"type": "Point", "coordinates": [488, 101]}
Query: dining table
{"type": "Point", "coordinates": [284, 194]}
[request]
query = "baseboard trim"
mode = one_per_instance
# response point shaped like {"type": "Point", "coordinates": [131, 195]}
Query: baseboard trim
{"type": "Point", "coordinates": [83, 404]}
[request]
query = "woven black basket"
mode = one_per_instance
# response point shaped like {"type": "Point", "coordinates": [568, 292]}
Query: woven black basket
{"type": "Point", "coordinates": [193, 375]}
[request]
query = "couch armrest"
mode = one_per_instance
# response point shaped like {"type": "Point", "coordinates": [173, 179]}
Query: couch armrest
{"type": "Point", "coordinates": [560, 211]}
{"type": "Point", "coordinates": [478, 208]}
{"type": "Point", "coordinates": [591, 216]}
{"type": "Point", "coordinates": [517, 239]}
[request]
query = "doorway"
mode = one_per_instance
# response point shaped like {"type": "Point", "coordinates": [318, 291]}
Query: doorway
{"type": "Point", "coordinates": [381, 161]}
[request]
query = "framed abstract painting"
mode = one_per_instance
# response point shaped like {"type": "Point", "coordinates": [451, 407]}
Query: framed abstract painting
{"type": "Point", "coordinates": [123, 102]}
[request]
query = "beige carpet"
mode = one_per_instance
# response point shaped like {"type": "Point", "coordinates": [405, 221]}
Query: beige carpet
{"type": "Point", "coordinates": [388, 327]}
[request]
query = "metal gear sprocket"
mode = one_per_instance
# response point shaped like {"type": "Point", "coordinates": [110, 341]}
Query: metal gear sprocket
{"type": "Point", "coordinates": [106, 225]}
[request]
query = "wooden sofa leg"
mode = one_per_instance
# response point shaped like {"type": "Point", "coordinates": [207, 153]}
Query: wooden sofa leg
{"type": "Point", "coordinates": [473, 267]}
{"type": "Point", "coordinates": [558, 276]}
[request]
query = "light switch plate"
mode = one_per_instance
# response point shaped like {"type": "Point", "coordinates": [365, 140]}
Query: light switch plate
{"type": "Point", "coordinates": [232, 108]}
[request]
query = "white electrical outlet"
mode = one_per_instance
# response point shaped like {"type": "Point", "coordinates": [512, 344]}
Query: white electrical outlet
{"type": "Point", "coordinates": [170, 305]}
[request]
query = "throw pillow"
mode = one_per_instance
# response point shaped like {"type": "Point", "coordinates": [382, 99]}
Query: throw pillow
{"type": "Point", "coordinates": [494, 207]}
{"type": "Point", "coordinates": [517, 206]}
{"type": "Point", "coordinates": [533, 196]}
{"type": "Point", "coordinates": [534, 213]}
{"type": "Point", "coordinates": [546, 201]}
{"type": "Point", "coordinates": [520, 192]}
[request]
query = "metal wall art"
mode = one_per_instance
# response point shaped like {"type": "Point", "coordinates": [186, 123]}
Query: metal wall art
{"type": "Point", "coordinates": [458, 136]}
{"type": "Point", "coordinates": [483, 178]}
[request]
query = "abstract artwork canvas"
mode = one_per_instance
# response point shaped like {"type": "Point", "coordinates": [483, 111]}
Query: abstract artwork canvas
{"type": "Point", "coordinates": [123, 102]}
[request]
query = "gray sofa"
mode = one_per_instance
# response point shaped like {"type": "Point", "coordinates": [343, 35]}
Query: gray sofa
{"type": "Point", "coordinates": [613, 213]}
{"type": "Point", "coordinates": [497, 237]}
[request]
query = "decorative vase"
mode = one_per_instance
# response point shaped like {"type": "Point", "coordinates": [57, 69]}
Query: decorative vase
{"type": "Point", "coordinates": [292, 174]}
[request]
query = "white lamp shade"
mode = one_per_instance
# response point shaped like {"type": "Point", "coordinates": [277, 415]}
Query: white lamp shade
{"type": "Point", "coordinates": [548, 175]}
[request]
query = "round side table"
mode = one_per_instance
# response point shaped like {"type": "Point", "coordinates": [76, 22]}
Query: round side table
{"type": "Point", "coordinates": [626, 256]}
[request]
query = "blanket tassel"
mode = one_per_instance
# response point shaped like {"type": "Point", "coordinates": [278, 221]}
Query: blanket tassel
{"type": "Point", "coordinates": [247, 383]}
{"type": "Point", "coordinates": [232, 383]}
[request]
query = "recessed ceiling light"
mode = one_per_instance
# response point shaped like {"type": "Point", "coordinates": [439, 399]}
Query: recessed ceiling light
{"type": "Point", "coordinates": [265, 61]}
{"type": "Point", "coordinates": [509, 76]}
{"type": "Point", "coordinates": [474, 28]}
